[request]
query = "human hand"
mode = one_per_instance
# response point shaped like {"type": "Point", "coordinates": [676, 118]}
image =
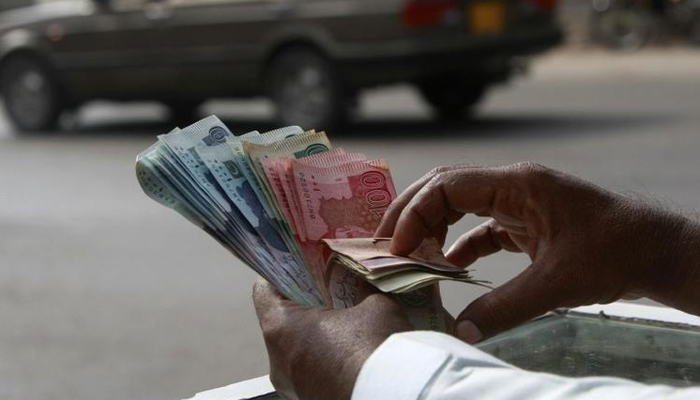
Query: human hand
{"type": "Point", "coordinates": [586, 245]}
{"type": "Point", "coordinates": [317, 353]}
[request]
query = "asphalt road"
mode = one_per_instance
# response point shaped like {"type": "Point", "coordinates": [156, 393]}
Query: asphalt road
{"type": "Point", "coordinates": [106, 295]}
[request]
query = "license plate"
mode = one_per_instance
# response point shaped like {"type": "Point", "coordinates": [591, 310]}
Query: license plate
{"type": "Point", "coordinates": [486, 17]}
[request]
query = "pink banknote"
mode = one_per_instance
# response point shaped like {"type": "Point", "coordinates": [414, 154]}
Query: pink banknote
{"type": "Point", "coordinates": [342, 201]}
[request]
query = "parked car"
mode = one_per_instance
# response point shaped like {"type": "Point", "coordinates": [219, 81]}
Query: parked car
{"type": "Point", "coordinates": [311, 57]}
{"type": "Point", "coordinates": [631, 24]}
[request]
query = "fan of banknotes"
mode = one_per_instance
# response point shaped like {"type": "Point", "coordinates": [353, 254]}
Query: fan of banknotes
{"type": "Point", "coordinates": [273, 198]}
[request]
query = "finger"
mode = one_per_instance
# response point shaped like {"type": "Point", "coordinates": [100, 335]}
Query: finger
{"type": "Point", "coordinates": [484, 240]}
{"type": "Point", "coordinates": [268, 300]}
{"type": "Point", "coordinates": [386, 226]}
{"type": "Point", "coordinates": [439, 232]}
{"type": "Point", "coordinates": [497, 192]}
{"type": "Point", "coordinates": [461, 191]}
{"type": "Point", "coordinates": [449, 320]}
{"type": "Point", "coordinates": [381, 301]}
{"type": "Point", "coordinates": [526, 296]}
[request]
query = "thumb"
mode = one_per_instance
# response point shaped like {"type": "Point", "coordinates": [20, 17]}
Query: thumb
{"type": "Point", "coordinates": [528, 295]}
{"type": "Point", "coordinates": [268, 301]}
{"type": "Point", "coordinates": [381, 303]}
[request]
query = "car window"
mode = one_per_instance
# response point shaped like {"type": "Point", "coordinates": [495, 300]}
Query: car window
{"type": "Point", "coordinates": [11, 4]}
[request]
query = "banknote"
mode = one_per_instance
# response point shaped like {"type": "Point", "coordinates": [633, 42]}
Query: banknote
{"type": "Point", "coordinates": [237, 146]}
{"type": "Point", "coordinates": [297, 211]}
{"type": "Point", "coordinates": [423, 306]}
{"type": "Point", "coordinates": [273, 169]}
{"type": "Point", "coordinates": [175, 160]}
{"type": "Point", "coordinates": [298, 146]}
{"type": "Point", "coordinates": [342, 201]}
{"type": "Point", "coordinates": [222, 163]}
{"type": "Point", "coordinates": [374, 253]}
{"type": "Point", "coordinates": [210, 132]}
{"type": "Point", "coordinates": [371, 259]}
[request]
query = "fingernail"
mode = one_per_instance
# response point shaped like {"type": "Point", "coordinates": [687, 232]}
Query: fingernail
{"type": "Point", "coordinates": [467, 331]}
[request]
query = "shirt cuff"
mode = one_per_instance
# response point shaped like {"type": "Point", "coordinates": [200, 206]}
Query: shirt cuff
{"type": "Point", "coordinates": [401, 368]}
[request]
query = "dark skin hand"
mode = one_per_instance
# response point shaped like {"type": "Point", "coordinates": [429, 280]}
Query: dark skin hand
{"type": "Point", "coordinates": [317, 353]}
{"type": "Point", "coordinates": [586, 245]}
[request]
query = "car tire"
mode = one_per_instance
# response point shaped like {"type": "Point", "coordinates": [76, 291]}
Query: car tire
{"type": "Point", "coordinates": [694, 30]}
{"type": "Point", "coordinates": [451, 99]}
{"type": "Point", "coordinates": [306, 89]}
{"type": "Point", "coordinates": [627, 30]}
{"type": "Point", "coordinates": [31, 94]}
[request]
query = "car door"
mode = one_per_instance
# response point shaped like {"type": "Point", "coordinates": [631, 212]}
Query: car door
{"type": "Point", "coordinates": [219, 43]}
{"type": "Point", "coordinates": [114, 51]}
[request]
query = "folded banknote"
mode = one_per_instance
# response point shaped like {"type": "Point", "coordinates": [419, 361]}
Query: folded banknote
{"type": "Point", "coordinates": [272, 198]}
{"type": "Point", "coordinates": [371, 259]}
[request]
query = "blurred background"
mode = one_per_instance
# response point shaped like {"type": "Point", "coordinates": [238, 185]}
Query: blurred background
{"type": "Point", "coordinates": [106, 294]}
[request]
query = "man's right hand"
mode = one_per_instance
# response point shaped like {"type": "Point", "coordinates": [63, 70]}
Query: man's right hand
{"type": "Point", "coordinates": [586, 245]}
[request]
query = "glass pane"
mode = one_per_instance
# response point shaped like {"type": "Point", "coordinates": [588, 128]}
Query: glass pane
{"type": "Point", "coordinates": [583, 345]}
{"type": "Point", "coordinates": [577, 345]}
{"type": "Point", "coordinates": [10, 4]}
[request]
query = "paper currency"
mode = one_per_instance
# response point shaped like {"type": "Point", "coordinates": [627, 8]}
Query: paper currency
{"type": "Point", "coordinates": [283, 201]}
{"type": "Point", "coordinates": [198, 195]}
{"type": "Point", "coordinates": [371, 260]}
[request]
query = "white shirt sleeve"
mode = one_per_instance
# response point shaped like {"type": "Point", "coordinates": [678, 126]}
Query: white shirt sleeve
{"type": "Point", "coordinates": [433, 366]}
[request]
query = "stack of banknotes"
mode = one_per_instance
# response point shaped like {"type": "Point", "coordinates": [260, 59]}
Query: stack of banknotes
{"type": "Point", "coordinates": [272, 198]}
{"type": "Point", "coordinates": [370, 258]}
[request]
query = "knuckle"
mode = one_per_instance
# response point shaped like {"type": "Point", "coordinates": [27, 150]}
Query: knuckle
{"type": "Point", "coordinates": [433, 187]}
{"type": "Point", "coordinates": [438, 178]}
{"type": "Point", "coordinates": [416, 210]}
{"type": "Point", "coordinates": [392, 210]}
{"type": "Point", "coordinates": [497, 313]}
{"type": "Point", "coordinates": [382, 302]}
{"type": "Point", "coordinates": [373, 299]}
{"type": "Point", "coordinates": [440, 170]}
{"type": "Point", "coordinates": [429, 205]}
{"type": "Point", "coordinates": [261, 291]}
{"type": "Point", "coordinates": [529, 170]}
{"type": "Point", "coordinates": [273, 331]}
{"type": "Point", "coordinates": [449, 179]}
{"type": "Point", "coordinates": [257, 291]}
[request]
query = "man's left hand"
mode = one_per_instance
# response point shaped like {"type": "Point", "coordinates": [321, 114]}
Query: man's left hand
{"type": "Point", "coordinates": [317, 353]}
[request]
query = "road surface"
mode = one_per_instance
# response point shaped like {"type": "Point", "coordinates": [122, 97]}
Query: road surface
{"type": "Point", "coordinates": [106, 295]}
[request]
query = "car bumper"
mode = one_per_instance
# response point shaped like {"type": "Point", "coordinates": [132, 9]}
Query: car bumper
{"type": "Point", "coordinates": [488, 57]}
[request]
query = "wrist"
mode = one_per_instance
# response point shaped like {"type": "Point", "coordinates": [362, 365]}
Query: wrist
{"type": "Point", "coordinates": [341, 374]}
{"type": "Point", "coordinates": [355, 364]}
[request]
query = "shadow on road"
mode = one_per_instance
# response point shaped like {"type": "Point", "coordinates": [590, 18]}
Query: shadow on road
{"type": "Point", "coordinates": [504, 126]}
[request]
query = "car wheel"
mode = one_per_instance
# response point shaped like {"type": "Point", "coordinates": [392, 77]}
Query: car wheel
{"type": "Point", "coordinates": [31, 94]}
{"type": "Point", "coordinates": [694, 30]}
{"type": "Point", "coordinates": [627, 30]}
{"type": "Point", "coordinates": [306, 90]}
{"type": "Point", "coordinates": [451, 99]}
